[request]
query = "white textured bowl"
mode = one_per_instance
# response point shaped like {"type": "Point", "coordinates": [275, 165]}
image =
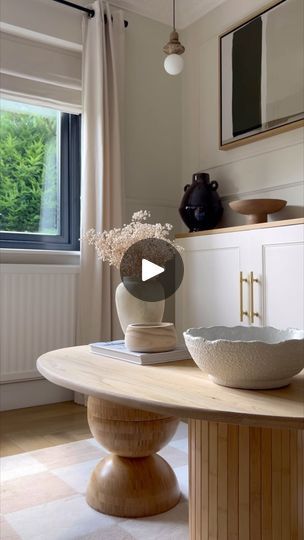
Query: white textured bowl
{"type": "Point", "coordinates": [247, 357]}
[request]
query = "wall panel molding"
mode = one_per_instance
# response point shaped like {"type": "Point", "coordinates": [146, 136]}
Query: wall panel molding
{"type": "Point", "coordinates": [255, 192]}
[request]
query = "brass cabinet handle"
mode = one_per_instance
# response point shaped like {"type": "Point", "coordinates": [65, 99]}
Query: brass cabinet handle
{"type": "Point", "coordinates": [242, 312]}
{"type": "Point", "coordinates": [252, 313]}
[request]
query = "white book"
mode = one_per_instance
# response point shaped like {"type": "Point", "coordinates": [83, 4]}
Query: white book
{"type": "Point", "coordinates": [118, 350]}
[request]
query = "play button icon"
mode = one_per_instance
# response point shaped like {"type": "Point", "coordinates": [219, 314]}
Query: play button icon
{"type": "Point", "coordinates": [151, 269]}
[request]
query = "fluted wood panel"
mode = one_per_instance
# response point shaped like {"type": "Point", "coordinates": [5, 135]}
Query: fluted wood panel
{"type": "Point", "coordinates": [37, 314]}
{"type": "Point", "coordinates": [246, 483]}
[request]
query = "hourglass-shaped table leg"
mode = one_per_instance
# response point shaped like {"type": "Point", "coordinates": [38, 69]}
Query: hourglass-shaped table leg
{"type": "Point", "coordinates": [133, 481]}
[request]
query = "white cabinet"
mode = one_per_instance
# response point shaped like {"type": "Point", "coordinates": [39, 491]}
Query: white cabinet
{"type": "Point", "coordinates": [279, 260]}
{"type": "Point", "coordinates": [209, 294]}
{"type": "Point", "coordinates": [271, 263]}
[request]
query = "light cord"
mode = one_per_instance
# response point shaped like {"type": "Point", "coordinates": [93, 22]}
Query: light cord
{"type": "Point", "coordinates": [174, 15]}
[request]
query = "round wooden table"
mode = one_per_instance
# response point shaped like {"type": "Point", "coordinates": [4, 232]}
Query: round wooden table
{"type": "Point", "coordinates": [246, 448]}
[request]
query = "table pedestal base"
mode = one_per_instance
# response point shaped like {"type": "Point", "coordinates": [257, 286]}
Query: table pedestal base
{"type": "Point", "coordinates": [132, 481]}
{"type": "Point", "coordinates": [132, 487]}
{"type": "Point", "coordinates": [246, 483]}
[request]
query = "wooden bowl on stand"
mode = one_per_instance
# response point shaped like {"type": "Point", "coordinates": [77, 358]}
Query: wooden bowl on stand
{"type": "Point", "coordinates": [256, 210]}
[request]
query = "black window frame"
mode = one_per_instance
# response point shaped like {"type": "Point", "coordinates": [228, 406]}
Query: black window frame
{"type": "Point", "coordinates": [70, 163]}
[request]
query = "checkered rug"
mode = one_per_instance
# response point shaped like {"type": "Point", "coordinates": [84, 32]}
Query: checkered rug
{"type": "Point", "coordinates": [42, 496]}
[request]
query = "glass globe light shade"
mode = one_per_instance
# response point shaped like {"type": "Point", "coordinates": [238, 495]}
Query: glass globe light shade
{"type": "Point", "coordinates": [174, 64]}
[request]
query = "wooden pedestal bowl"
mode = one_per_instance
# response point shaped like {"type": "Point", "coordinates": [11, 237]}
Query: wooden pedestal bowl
{"type": "Point", "coordinates": [151, 337]}
{"type": "Point", "coordinates": [256, 210]}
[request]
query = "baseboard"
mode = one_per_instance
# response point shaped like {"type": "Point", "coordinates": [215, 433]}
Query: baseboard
{"type": "Point", "coordinates": [31, 393]}
{"type": "Point", "coordinates": [80, 399]}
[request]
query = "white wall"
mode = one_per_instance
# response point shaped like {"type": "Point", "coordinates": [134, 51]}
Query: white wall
{"type": "Point", "coordinates": [152, 128]}
{"type": "Point", "coordinates": [269, 168]}
{"type": "Point", "coordinates": [152, 122]}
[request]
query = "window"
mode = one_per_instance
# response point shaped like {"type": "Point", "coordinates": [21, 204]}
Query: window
{"type": "Point", "coordinates": [39, 177]}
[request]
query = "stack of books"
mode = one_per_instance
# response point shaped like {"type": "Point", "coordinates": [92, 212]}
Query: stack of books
{"type": "Point", "coordinates": [118, 351]}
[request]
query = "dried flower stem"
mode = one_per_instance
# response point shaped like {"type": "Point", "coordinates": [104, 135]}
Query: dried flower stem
{"type": "Point", "coordinates": [112, 245]}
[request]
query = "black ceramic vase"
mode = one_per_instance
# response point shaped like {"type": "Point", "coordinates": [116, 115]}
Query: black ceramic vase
{"type": "Point", "coordinates": [201, 207]}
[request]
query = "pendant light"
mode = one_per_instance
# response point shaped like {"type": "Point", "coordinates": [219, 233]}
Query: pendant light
{"type": "Point", "coordinates": [174, 62]}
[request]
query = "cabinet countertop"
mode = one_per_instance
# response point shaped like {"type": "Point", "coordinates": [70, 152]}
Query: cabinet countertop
{"type": "Point", "coordinates": [266, 225]}
{"type": "Point", "coordinates": [176, 388]}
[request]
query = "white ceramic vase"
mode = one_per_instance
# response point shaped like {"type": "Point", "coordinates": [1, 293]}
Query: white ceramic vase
{"type": "Point", "coordinates": [132, 310]}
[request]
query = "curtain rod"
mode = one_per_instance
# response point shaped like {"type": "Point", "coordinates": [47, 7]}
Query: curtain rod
{"type": "Point", "coordinates": [90, 12]}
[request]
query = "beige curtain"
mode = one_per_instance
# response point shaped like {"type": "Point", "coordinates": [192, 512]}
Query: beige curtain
{"type": "Point", "coordinates": [101, 191]}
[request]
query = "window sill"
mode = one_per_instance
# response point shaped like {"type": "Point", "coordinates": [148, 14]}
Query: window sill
{"type": "Point", "coordinates": [38, 256]}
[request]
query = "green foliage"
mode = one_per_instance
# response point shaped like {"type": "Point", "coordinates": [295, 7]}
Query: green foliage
{"type": "Point", "coordinates": [28, 172]}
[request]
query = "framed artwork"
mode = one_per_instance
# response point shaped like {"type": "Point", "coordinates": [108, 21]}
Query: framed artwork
{"type": "Point", "coordinates": [262, 75]}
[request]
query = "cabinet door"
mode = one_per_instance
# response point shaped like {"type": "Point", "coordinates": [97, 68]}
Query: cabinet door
{"type": "Point", "coordinates": [280, 263]}
{"type": "Point", "coordinates": [210, 292]}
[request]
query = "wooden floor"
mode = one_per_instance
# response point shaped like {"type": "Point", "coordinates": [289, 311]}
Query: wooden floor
{"type": "Point", "coordinates": [23, 430]}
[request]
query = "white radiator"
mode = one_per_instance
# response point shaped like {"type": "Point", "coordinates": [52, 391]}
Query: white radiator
{"type": "Point", "coordinates": [37, 314]}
